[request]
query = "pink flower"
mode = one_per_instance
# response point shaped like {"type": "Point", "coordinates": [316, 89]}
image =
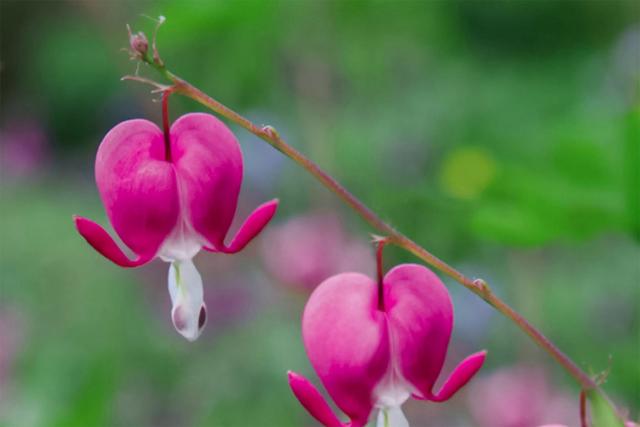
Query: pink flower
{"type": "Point", "coordinates": [520, 396]}
{"type": "Point", "coordinates": [24, 147]}
{"type": "Point", "coordinates": [374, 346]}
{"type": "Point", "coordinates": [171, 199]}
{"type": "Point", "coordinates": [313, 247]}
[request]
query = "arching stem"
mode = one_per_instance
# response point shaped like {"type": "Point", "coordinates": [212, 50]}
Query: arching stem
{"type": "Point", "coordinates": [477, 286]}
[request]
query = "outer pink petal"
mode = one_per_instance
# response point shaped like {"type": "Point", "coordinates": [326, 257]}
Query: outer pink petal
{"type": "Point", "coordinates": [460, 376]}
{"type": "Point", "coordinates": [208, 164]}
{"type": "Point", "coordinates": [312, 400]}
{"type": "Point", "coordinates": [253, 225]}
{"type": "Point", "coordinates": [103, 243]}
{"type": "Point", "coordinates": [137, 186]}
{"type": "Point", "coordinates": [420, 317]}
{"type": "Point", "coordinates": [347, 341]}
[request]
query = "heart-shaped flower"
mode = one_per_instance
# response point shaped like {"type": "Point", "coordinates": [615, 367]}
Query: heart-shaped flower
{"type": "Point", "coordinates": [375, 345]}
{"type": "Point", "coordinates": [169, 200]}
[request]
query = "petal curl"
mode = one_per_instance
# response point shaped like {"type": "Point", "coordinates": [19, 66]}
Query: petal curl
{"type": "Point", "coordinates": [309, 396]}
{"type": "Point", "coordinates": [252, 226]}
{"type": "Point", "coordinates": [102, 242]}
{"type": "Point", "coordinates": [459, 377]}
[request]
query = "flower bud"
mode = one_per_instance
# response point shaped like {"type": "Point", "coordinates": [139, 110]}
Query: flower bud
{"type": "Point", "coordinates": [138, 43]}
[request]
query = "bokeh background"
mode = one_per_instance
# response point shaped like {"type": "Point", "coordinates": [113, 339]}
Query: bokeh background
{"type": "Point", "coordinates": [503, 136]}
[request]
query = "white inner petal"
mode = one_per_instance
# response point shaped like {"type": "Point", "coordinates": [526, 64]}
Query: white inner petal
{"type": "Point", "coordinates": [392, 417]}
{"type": "Point", "coordinates": [182, 244]}
{"type": "Point", "coordinates": [188, 312]}
{"type": "Point", "coordinates": [393, 390]}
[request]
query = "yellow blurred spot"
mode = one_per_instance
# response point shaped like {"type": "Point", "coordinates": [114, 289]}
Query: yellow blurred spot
{"type": "Point", "coordinates": [467, 172]}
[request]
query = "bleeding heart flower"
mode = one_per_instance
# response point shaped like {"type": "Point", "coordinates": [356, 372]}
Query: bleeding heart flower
{"type": "Point", "coordinates": [375, 345]}
{"type": "Point", "coordinates": [168, 196]}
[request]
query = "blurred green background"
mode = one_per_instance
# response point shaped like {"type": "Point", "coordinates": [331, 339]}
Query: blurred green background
{"type": "Point", "coordinates": [504, 136]}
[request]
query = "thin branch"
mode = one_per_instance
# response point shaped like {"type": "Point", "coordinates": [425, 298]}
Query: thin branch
{"type": "Point", "coordinates": [159, 87]}
{"type": "Point", "coordinates": [583, 409]}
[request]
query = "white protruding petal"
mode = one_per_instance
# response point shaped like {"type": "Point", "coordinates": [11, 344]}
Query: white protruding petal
{"type": "Point", "coordinates": [382, 420]}
{"type": "Point", "coordinates": [182, 244]}
{"type": "Point", "coordinates": [188, 312]}
{"type": "Point", "coordinates": [391, 417]}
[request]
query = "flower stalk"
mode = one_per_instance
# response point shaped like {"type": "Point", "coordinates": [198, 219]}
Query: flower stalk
{"type": "Point", "coordinates": [392, 236]}
{"type": "Point", "coordinates": [165, 124]}
{"type": "Point", "coordinates": [380, 242]}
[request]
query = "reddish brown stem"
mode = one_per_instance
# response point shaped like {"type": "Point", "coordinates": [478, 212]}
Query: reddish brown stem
{"type": "Point", "coordinates": [165, 124]}
{"type": "Point", "coordinates": [380, 269]}
{"type": "Point", "coordinates": [477, 286]}
{"type": "Point", "coordinates": [583, 409]}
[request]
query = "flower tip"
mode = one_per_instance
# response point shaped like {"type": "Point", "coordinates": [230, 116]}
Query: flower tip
{"type": "Point", "coordinates": [80, 223]}
{"type": "Point", "coordinates": [295, 380]}
{"type": "Point", "coordinates": [184, 325]}
{"type": "Point", "coordinates": [272, 204]}
{"type": "Point", "coordinates": [268, 209]}
{"type": "Point", "coordinates": [476, 360]}
{"type": "Point", "coordinates": [77, 222]}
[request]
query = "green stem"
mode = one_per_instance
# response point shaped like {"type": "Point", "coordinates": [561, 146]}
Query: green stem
{"type": "Point", "coordinates": [477, 286]}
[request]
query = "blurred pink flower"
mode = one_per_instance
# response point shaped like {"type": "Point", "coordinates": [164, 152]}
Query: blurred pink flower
{"type": "Point", "coordinates": [24, 147]}
{"type": "Point", "coordinates": [520, 396]}
{"type": "Point", "coordinates": [307, 249]}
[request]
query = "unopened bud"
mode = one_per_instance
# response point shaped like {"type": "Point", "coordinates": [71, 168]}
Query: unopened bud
{"type": "Point", "coordinates": [138, 43]}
